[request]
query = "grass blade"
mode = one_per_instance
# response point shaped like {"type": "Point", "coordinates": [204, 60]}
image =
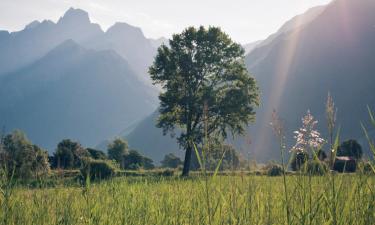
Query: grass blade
{"type": "Point", "coordinates": [372, 118]}
{"type": "Point", "coordinates": [198, 156]}
{"type": "Point", "coordinates": [219, 164]}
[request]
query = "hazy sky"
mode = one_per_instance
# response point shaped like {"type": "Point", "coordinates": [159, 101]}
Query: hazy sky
{"type": "Point", "coordinates": [244, 20]}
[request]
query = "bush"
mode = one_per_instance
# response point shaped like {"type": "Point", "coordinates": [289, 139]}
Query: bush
{"type": "Point", "coordinates": [227, 154]}
{"type": "Point", "coordinates": [171, 161]}
{"type": "Point", "coordinates": [314, 167]}
{"type": "Point", "coordinates": [97, 154]}
{"type": "Point", "coordinates": [133, 160]}
{"type": "Point", "coordinates": [97, 169]}
{"type": "Point", "coordinates": [19, 157]}
{"type": "Point", "coordinates": [166, 173]}
{"type": "Point", "coordinates": [299, 158]}
{"type": "Point", "coordinates": [321, 155]}
{"type": "Point", "coordinates": [366, 168]}
{"type": "Point", "coordinates": [274, 170]}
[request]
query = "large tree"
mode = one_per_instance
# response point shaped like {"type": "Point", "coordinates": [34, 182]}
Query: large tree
{"type": "Point", "coordinates": [206, 87]}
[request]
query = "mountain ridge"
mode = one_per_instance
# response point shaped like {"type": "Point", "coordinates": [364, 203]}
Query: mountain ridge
{"type": "Point", "coordinates": [74, 92]}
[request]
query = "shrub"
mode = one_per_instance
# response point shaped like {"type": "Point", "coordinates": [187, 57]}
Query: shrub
{"type": "Point", "coordinates": [19, 155]}
{"type": "Point", "coordinates": [171, 161]}
{"type": "Point", "coordinates": [97, 169]}
{"type": "Point", "coordinates": [314, 167]}
{"type": "Point", "coordinates": [322, 155]}
{"type": "Point", "coordinates": [148, 163]}
{"type": "Point", "coordinates": [274, 170]}
{"type": "Point", "coordinates": [299, 158]}
{"type": "Point", "coordinates": [366, 168]}
{"type": "Point", "coordinates": [134, 161]}
{"type": "Point", "coordinates": [227, 154]}
{"type": "Point", "coordinates": [166, 173]}
{"type": "Point", "coordinates": [96, 154]}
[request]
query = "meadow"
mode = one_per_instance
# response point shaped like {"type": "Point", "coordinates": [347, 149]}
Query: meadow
{"type": "Point", "coordinates": [237, 199]}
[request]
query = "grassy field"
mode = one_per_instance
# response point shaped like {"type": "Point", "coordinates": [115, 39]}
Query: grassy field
{"type": "Point", "coordinates": [330, 199]}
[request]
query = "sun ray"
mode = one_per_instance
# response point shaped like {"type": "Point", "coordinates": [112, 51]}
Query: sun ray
{"type": "Point", "coordinates": [284, 63]}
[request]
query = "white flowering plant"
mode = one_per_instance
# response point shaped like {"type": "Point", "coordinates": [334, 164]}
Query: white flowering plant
{"type": "Point", "coordinates": [307, 137]}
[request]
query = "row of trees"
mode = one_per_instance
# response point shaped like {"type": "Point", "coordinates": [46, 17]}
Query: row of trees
{"type": "Point", "coordinates": [71, 155]}
{"type": "Point", "coordinates": [207, 91]}
{"type": "Point", "coordinates": [22, 159]}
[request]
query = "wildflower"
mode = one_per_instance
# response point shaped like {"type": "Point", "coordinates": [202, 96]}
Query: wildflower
{"type": "Point", "coordinates": [307, 137]}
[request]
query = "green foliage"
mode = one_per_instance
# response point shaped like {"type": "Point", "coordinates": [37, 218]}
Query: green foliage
{"type": "Point", "coordinates": [148, 163]}
{"type": "Point", "coordinates": [19, 157]}
{"type": "Point", "coordinates": [117, 149]}
{"type": "Point", "coordinates": [316, 167]}
{"type": "Point", "coordinates": [164, 200]}
{"type": "Point", "coordinates": [70, 154]}
{"type": "Point", "coordinates": [167, 173]}
{"type": "Point", "coordinates": [226, 154]}
{"type": "Point", "coordinates": [134, 160]}
{"type": "Point", "coordinates": [298, 159]}
{"type": "Point", "coordinates": [350, 148]}
{"type": "Point", "coordinates": [97, 154]}
{"type": "Point", "coordinates": [97, 169]}
{"type": "Point", "coordinates": [203, 72]}
{"type": "Point", "coordinates": [171, 161]}
{"type": "Point", "coordinates": [274, 170]}
{"type": "Point", "coordinates": [366, 168]}
{"type": "Point", "coordinates": [321, 154]}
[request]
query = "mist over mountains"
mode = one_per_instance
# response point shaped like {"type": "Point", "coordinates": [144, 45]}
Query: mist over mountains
{"type": "Point", "coordinates": [333, 53]}
{"type": "Point", "coordinates": [72, 80]}
{"type": "Point", "coordinates": [91, 85]}
{"type": "Point", "coordinates": [327, 49]}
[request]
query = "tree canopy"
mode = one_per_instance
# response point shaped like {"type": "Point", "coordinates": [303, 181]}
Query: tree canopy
{"type": "Point", "coordinates": [171, 161]}
{"type": "Point", "coordinates": [117, 149]}
{"type": "Point", "coordinates": [21, 158]}
{"type": "Point", "coordinates": [69, 154]}
{"type": "Point", "coordinates": [133, 160]}
{"type": "Point", "coordinates": [206, 87]}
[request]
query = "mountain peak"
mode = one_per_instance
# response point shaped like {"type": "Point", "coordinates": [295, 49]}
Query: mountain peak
{"type": "Point", "coordinates": [124, 28]}
{"type": "Point", "coordinates": [67, 47]}
{"type": "Point", "coordinates": [77, 16]}
{"type": "Point", "coordinates": [32, 25]}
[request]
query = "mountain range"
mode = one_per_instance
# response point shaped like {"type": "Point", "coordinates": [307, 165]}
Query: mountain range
{"type": "Point", "coordinates": [332, 53]}
{"type": "Point", "coordinates": [70, 79]}
{"type": "Point", "coordinates": [328, 49]}
{"type": "Point", "coordinates": [91, 85]}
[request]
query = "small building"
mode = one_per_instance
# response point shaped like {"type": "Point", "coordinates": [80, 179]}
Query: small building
{"type": "Point", "coordinates": [345, 164]}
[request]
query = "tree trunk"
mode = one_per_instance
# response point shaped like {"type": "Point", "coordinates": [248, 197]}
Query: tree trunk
{"type": "Point", "coordinates": [186, 169]}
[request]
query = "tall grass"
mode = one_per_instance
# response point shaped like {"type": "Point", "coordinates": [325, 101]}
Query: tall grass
{"type": "Point", "coordinates": [300, 198]}
{"type": "Point", "coordinates": [234, 200]}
